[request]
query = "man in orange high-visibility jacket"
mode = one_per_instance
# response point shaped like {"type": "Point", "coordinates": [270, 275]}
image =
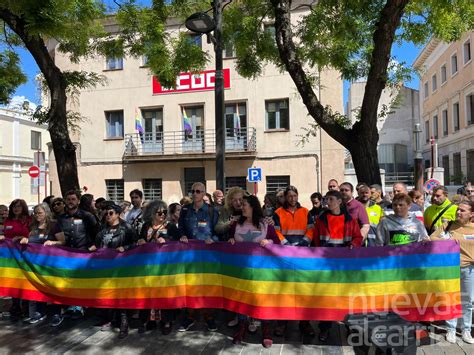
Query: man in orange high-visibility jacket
{"type": "Point", "coordinates": [293, 223]}
{"type": "Point", "coordinates": [294, 226]}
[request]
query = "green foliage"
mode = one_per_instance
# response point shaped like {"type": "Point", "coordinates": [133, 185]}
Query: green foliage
{"type": "Point", "coordinates": [11, 75]}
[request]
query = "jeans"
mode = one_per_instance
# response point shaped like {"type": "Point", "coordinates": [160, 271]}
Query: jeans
{"type": "Point", "coordinates": [467, 297]}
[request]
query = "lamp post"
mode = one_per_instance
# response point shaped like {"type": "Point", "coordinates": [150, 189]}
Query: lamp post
{"type": "Point", "coordinates": [418, 159]}
{"type": "Point", "coordinates": [202, 23]}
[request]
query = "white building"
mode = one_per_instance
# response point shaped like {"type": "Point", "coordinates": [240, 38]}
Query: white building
{"type": "Point", "coordinates": [20, 139]}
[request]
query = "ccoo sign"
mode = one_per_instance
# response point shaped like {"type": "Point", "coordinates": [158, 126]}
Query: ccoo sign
{"type": "Point", "coordinates": [187, 82]}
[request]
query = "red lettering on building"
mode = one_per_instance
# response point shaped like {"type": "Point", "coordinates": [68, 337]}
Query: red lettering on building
{"type": "Point", "coordinates": [187, 82]}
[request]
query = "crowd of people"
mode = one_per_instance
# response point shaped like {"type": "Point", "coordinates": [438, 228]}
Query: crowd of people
{"type": "Point", "coordinates": [346, 216]}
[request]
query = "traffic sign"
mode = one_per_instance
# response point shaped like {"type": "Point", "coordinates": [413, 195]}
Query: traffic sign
{"type": "Point", "coordinates": [34, 171]}
{"type": "Point", "coordinates": [254, 174]}
{"type": "Point", "coordinates": [431, 184]}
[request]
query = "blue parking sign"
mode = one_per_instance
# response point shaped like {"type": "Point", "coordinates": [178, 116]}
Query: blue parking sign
{"type": "Point", "coordinates": [254, 174]}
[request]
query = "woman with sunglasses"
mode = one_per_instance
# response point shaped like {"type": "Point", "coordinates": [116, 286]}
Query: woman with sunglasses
{"type": "Point", "coordinates": [251, 227]}
{"type": "Point", "coordinates": [116, 234]}
{"type": "Point", "coordinates": [58, 207]}
{"type": "Point", "coordinates": [157, 229]}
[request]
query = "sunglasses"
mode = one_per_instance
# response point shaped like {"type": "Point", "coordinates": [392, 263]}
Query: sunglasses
{"type": "Point", "coordinates": [57, 204]}
{"type": "Point", "coordinates": [161, 213]}
{"type": "Point", "coordinates": [110, 213]}
{"type": "Point", "coordinates": [196, 191]}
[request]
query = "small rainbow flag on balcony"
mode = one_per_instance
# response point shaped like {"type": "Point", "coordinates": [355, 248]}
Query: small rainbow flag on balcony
{"type": "Point", "coordinates": [420, 282]}
{"type": "Point", "coordinates": [138, 123]}
{"type": "Point", "coordinates": [186, 123]}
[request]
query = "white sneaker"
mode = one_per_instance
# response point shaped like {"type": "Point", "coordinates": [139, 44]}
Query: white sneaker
{"type": "Point", "coordinates": [252, 326]}
{"type": "Point", "coordinates": [233, 322]}
{"type": "Point", "coordinates": [451, 336]}
{"type": "Point", "coordinates": [466, 336]}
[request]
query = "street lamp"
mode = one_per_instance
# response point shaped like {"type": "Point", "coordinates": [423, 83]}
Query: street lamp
{"type": "Point", "coordinates": [418, 158]}
{"type": "Point", "coordinates": [202, 23]}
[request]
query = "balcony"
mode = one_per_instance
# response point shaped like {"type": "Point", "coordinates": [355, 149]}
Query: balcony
{"type": "Point", "coordinates": [181, 145]}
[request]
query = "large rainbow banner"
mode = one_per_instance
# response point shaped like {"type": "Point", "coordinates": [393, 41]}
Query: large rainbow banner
{"type": "Point", "coordinates": [418, 281]}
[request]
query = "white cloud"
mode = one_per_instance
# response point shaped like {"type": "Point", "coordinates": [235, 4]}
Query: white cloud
{"type": "Point", "coordinates": [21, 103]}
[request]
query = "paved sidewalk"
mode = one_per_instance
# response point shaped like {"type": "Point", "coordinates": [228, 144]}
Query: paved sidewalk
{"type": "Point", "coordinates": [74, 337]}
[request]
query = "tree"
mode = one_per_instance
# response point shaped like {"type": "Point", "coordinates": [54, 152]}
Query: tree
{"type": "Point", "coordinates": [73, 24]}
{"type": "Point", "coordinates": [352, 36]}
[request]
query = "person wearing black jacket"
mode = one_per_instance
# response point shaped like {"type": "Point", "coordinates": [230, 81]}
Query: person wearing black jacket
{"type": "Point", "coordinates": [157, 229]}
{"type": "Point", "coordinates": [116, 234]}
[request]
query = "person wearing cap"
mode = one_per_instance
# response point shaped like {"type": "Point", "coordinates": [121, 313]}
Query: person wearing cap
{"type": "Point", "coordinates": [116, 234]}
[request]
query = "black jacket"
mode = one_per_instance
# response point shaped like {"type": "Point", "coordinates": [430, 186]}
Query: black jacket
{"type": "Point", "coordinates": [121, 235]}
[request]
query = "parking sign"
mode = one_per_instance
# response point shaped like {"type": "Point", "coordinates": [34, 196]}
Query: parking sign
{"type": "Point", "coordinates": [254, 174]}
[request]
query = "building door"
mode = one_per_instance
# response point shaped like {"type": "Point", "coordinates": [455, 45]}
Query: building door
{"type": "Point", "coordinates": [153, 135]}
{"type": "Point", "coordinates": [193, 129]}
{"type": "Point", "coordinates": [446, 169]}
{"type": "Point", "coordinates": [470, 165]}
{"type": "Point", "coordinates": [192, 175]}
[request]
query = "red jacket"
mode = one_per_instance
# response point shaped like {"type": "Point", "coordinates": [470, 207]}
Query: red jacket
{"type": "Point", "coordinates": [17, 227]}
{"type": "Point", "coordinates": [322, 234]}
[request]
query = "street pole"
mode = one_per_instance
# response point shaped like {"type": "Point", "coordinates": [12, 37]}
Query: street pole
{"type": "Point", "coordinates": [418, 159]}
{"type": "Point", "coordinates": [219, 97]}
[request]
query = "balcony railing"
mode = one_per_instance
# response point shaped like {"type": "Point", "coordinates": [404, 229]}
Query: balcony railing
{"type": "Point", "coordinates": [174, 143]}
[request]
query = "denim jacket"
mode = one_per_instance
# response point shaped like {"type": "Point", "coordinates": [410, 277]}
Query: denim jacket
{"type": "Point", "coordinates": [198, 224]}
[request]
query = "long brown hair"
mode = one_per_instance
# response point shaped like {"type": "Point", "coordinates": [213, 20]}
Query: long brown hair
{"type": "Point", "coordinates": [24, 209]}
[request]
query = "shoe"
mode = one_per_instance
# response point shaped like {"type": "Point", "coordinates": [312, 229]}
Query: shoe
{"type": "Point", "coordinates": [451, 336]}
{"type": "Point", "coordinates": [56, 320]}
{"type": "Point", "coordinates": [211, 325]}
{"type": "Point", "coordinates": [324, 335]}
{"type": "Point", "coordinates": [38, 317]}
{"type": "Point", "coordinates": [467, 337]}
{"type": "Point", "coordinates": [141, 328]}
{"type": "Point", "coordinates": [186, 325]}
{"type": "Point", "coordinates": [166, 328]}
{"type": "Point", "coordinates": [306, 329]}
{"type": "Point", "coordinates": [239, 336]}
{"type": "Point", "coordinates": [123, 326]}
{"type": "Point", "coordinates": [280, 330]}
{"type": "Point", "coordinates": [252, 326]}
{"type": "Point", "coordinates": [267, 340]}
{"type": "Point", "coordinates": [104, 327]}
{"type": "Point", "coordinates": [26, 320]}
{"type": "Point", "coordinates": [233, 323]}
{"type": "Point", "coordinates": [78, 313]}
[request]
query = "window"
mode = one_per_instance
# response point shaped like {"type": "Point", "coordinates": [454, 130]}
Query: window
{"type": "Point", "coordinates": [277, 115]}
{"type": "Point", "coordinates": [228, 50]}
{"type": "Point", "coordinates": [443, 74]}
{"type": "Point", "coordinates": [144, 61]}
{"type": "Point", "coordinates": [114, 190]}
{"type": "Point", "coordinates": [35, 140]}
{"type": "Point", "coordinates": [235, 118]}
{"type": "Point", "coordinates": [457, 172]}
{"type": "Point", "coordinates": [192, 175]}
{"type": "Point", "coordinates": [152, 189]}
{"type": "Point", "coordinates": [469, 109]}
{"type": "Point", "coordinates": [239, 181]}
{"type": "Point", "coordinates": [277, 182]}
{"type": "Point", "coordinates": [435, 126]}
{"type": "Point", "coordinates": [434, 83]}
{"type": "Point", "coordinates": [454, 64]}
{"type": "Point", "coordinates": [427, 131]}
{"type": "Point", "coordinates": [445, 122]}
{"type": "Point", "coordinates": [114, 124]}
{"type": "Point", "coordinates": [467, 51]}
{"type": "Point", "coordinates": [445, 161]}
{"type": "Point", "coordinates": [456, 116]}
{"type": "Point", "coordinates": [195, 39]}
{"type": "Point", "coordinates": [426, 89]}
{"type": "Point", "coordinates": [114, 63]}
{"type": "Point", "coordinates": [270, 30]}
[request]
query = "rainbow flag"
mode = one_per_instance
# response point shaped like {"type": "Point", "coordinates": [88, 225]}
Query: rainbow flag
{"type": "Point", "coordinates": [188, 129]}
{"type": "Point", "coordinates": [419, 282]}
{"type": "Point", "coordinates": [138, 123]}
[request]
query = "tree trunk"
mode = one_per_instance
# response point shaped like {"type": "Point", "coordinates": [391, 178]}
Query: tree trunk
{"type": "Point", "coordinates": [365, 158]}
{"type": "Point", "coordinates": [64, 150]}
